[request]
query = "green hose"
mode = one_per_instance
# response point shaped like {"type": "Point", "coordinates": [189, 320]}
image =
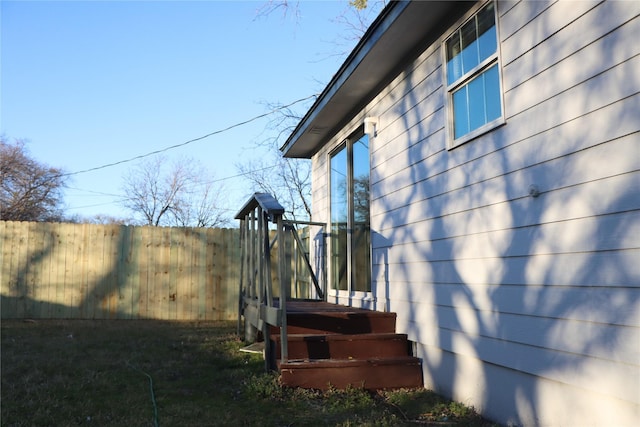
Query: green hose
{"type": "Point", "coordinates": [153, 397]}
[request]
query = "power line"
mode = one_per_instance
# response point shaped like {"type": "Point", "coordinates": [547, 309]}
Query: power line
{"type": "Point", "coordinates": [70, 208]}
{"type": "Point", "coordinates": [141, 156]}
{"type": "Point", "coordinates": [195, 184]}
{"type": "Point", "coordinates": [97, 193]}
{"type": "Point", "coordinates": [237, 175]}
{"type": "Point", "coordinates": [111, 204]}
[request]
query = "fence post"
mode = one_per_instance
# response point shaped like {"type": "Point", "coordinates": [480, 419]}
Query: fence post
{"type": "Point", "coordinates": [242, 269]}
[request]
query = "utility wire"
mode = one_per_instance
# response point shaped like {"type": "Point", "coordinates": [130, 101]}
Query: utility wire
{"type": "Point", "coordinates": [122, 199]}
{"type": "Point", "coordinates": [141, 156]}
{"type": "Point", "coordinates": [196, 184]}
{"type": "Point", "coordinates": [97, 193]}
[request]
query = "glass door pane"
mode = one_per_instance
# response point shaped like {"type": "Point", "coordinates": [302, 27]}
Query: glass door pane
{"type": "Point", "coordinates": [361, 238]}
{"type": "Point", "coordinates": [339, 220]}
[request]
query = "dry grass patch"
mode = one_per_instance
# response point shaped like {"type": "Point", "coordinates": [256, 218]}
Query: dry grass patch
{"type": "Point", "coordinates": [145, 373]}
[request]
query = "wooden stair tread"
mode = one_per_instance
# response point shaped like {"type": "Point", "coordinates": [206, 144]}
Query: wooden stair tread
{"type": "Point", "coordinates": [339, 322]}
{"type": "Point", "coordinates": [341, 315]}
{"type": "Point", "coordinates": [372, 374]}
{"type": "Point", "coordinates": [321, 307]}
{"type": "Point", "coordinates": [339, 363]}
{"type": "Point", "coordinates": [342, 337]}
{"type": "Point", "coordinates": [343, 346]}
{"type": "Point", "coordinates": [348, 312]}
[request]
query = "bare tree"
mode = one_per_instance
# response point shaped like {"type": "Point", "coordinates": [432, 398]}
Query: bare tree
{"type": "Point", "coordinates": [285, 7]}
{"type": "Point", "coordinates": [201, 205]}
{"type": "Point", "coordinates": [29, 190]}
{"type": "Point", "coordinates": [355, 18]}
{"type": "Point", "coordinates": [106, 219]}
{"type": "Point", "coordinates": [354, 21]}
{"type": "Point", "coordinates": [172, 194]}
{"type": "Point", "coordinates": [288, 180]}
{"type": "Point", "coordinates": [152, 192]}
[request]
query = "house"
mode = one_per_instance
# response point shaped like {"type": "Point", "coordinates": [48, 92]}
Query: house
{"type": "Point", "coordinates": [478, 165]}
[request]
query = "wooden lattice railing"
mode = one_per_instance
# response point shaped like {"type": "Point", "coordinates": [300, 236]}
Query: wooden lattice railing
{"type": "Point", "coordinates": [268, 280]}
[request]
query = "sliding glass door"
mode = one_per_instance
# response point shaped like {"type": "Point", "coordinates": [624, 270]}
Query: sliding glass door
{"type": "Point", "coordinates": [350, 241]}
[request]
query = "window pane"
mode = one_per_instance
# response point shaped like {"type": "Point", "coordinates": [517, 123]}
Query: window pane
{"type": "Point", "coordinates": [487, 44]}
{"type": "Point", "coordinates": [469, 46]}
{"type": "Point", "coordinates": [492, 93]}
{"type": "Point", "coordinates": [468, 33]}
{"type": "Point", "coordinates": [470, 57]}
{"type": "Point", "coordinates": [339, 187]}
{"type": "Point", "coordinates": [454, 69]}
{"type": "Point", "coordinates": [454, 64]}
{"type": "Point", "coordinates": [460, 110]}
{"type": "Point", "coordinates": [477, 111]}
{"type": "Point", "coordinates": [361, 180]}
{"type": "Point", "coordinates": [453, 46]}
{"type": "Point", "coordinates": [486, 19]}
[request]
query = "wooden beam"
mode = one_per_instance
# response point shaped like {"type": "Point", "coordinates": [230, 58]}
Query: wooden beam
{"type": "Point", "coordinates": [271, 315]}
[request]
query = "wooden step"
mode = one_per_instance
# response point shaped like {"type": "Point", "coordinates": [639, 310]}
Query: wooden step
{"type": "Point", "coordinates": [339, 322]}
{"type": "Point", "coordinates": [331, 345]}
{"type": "Point", "coordinates": [350, 346]}
{"type": "Point", "coordinates": [373, 374]}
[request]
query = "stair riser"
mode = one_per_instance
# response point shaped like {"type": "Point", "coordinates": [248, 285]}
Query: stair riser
{"type": "Point", "coordinates": [368, 377]}
{"type": "Point", "coordinates": [343, 349]}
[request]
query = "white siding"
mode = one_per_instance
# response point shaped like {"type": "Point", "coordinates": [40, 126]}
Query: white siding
{"type": "Point", "coordinates": [527, 308]}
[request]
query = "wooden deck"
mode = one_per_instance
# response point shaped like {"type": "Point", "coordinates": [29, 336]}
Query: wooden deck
{"type": "Point", "coordinates": [336, 346]}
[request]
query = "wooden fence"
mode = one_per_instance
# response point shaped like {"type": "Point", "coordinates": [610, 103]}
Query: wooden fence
{"type": "Point", "coordinates": [90, 271]}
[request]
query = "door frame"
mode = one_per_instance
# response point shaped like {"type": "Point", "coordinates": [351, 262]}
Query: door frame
{"type": "Point", "coordinates": [350, 297]}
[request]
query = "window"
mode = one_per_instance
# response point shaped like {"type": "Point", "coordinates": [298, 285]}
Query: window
{"type": "Point", "coordinates": [473, 77]}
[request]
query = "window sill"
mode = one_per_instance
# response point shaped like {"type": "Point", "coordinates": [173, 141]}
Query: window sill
{"type": "Point", "coordinates": [476, 133]}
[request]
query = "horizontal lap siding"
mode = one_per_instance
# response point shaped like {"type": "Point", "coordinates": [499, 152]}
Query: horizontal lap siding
{"type": "Point", "coordinates": [485, 277]}
{"type": "Point", "coordinates": [553, 134]}
{"type": "Point", "coordinates": [583, 235]}
{"type": "Point", "coordinates": [603, 376]}
{"type": "Point", "coordinates": [507, 203]}
{"type": "Point", "coordinates": [516, 301]}
{"type": "Point", "coordinates": [409, 119]}
{"type": "Point", "coordinates": [615, 270]}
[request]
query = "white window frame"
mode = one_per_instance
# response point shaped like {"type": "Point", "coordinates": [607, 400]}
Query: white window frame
{"type": "Point", "coordinates": [495, 58]}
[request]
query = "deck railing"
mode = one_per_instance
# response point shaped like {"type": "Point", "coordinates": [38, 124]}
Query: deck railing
{"type": "Point", "coordinates": [268, 279]}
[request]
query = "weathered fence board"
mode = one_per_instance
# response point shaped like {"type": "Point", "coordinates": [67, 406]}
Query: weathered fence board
{"type": "Point", "coordinates": [92, 271]}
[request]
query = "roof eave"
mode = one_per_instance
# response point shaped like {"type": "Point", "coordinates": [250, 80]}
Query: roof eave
{"type": "Point", "coordinates": [373, 62]}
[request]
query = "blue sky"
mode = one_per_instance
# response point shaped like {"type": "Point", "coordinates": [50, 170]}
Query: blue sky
{"type": "Point", "coordinates": [90, 83]}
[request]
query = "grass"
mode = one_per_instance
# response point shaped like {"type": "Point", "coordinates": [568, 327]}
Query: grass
{"type": "Point", "coordinates": [146, 373]}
